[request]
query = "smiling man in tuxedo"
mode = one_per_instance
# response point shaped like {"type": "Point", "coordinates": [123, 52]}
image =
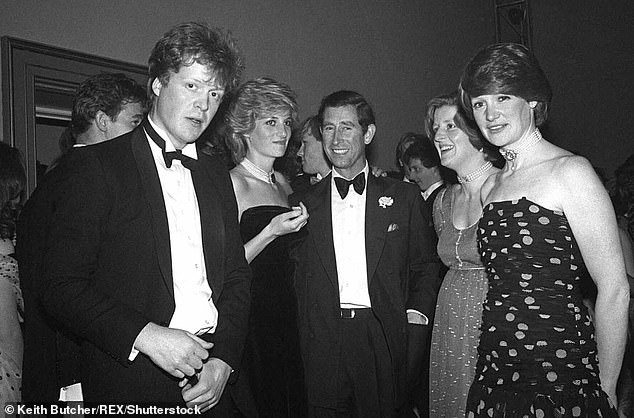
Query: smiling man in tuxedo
{"type": "Point", "coordinates": [145, 263]}
{"type": "Point", "coordinates": [362, 274]}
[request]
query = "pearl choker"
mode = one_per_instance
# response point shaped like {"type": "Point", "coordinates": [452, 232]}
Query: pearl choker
{"type": "Point", "coordinates": [257, 172]}
{"type": "Point", "coordinates": [510, 154]}
{"type": "Point", "coordinates": [478, 172]}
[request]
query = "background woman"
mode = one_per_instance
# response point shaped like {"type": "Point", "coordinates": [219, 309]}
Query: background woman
{"type": "Point", "coordinates": [457, 210]}
{"type": "Point", "coordinates": [259, 121]}
{"type": "Point", "coordinates": [12, 182]}
{"type": "Point", "coordinates": [545, 214]}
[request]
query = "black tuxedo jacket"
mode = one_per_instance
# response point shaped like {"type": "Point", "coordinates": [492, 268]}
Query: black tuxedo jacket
{"type": "Point", "coordinates": [401, 265]}
{"type": "Point", "coordinates": [107, 268]}
{"type": "Point", "coordinates": [51, 353]}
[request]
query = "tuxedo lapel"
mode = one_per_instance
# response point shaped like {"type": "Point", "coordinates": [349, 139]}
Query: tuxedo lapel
{"type": "Point", "coordinates": [210, 219]}
{"type": "Point", "coordinates": [320, 227]}
{"type": "Point", "coordinates": [154, 195]}
{"type": "Point", "coordinates": [375, 224]}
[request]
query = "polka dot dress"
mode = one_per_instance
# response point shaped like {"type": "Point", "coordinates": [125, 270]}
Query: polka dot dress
{"type": "Point", "coordinates": [537, 355]}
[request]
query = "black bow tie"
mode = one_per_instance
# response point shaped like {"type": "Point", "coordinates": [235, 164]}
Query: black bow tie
{"type": "Point", "coordinates": [343, 185]}
{"type": "Point", "coordinates": [169, 156]}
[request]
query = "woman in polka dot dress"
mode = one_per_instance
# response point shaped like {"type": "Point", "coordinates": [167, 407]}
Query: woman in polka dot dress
{"type": "Point", "coordinates": [545, 215]}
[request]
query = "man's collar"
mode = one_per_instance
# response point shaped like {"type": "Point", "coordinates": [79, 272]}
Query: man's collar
{"type": "Point", "coordinates": [365, 170]}
{"type": "Point", "coordinates": [431, 189]}
{"type": "Point", "coordinates": [319, 176]}
{"type": "Point", "coordinates": [189, 149]}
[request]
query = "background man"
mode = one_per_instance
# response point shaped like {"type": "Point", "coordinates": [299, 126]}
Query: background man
{"type": "Point", "coordinates": [315, 165]}
{"type": "Point", "coordinates": [145, 262]}
{"type": "Point", "coordinates": [364, 264]}
{"type": "Point", "coordinates": [104, 106]}
{"type": "Point", "coordinates": [421, 164]}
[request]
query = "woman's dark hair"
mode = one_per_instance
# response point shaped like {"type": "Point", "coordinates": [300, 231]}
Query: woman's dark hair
{"type": "Point", "coordinates": [506, 69]}
{"type": "Point", "coordinates": [12, 186]}
{"type": "Point", "coordinates": [465, 124]}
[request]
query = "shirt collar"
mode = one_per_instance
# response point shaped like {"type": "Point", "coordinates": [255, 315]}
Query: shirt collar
{"type": "Point", "coordinates": [189, 149]}
{"type": "Point", "coordinates": [431, 189]}
{"type": "Point", "coordinates": [365, 171]}
{"type": "Point", "coordinates": [319, 177]}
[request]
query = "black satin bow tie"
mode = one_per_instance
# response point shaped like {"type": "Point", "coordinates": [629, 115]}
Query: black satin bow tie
{"type": "Point", "coordinates": [343, 185]}
{"type": "Point", "coordinates": [169, 156]}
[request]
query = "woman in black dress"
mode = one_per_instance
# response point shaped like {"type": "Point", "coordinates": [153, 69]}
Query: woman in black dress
{"type": "Point", "coordinates": [545, 215]}
{"type": "Point", "coordinates": [259, 122]}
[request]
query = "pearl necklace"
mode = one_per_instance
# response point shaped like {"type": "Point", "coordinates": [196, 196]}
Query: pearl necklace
{"type": "Point", "coordinates": [478, 172]}
{"type": "Point", "coordinates": [510, 154]}
{"type": "Point", "coordinates": [257, 172]}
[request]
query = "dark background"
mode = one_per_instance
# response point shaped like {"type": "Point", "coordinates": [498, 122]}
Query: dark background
{"type": "Point", "coordinates": [398, 53]}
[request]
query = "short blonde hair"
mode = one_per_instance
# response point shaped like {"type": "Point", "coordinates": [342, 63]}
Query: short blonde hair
{"type": "Point", "coordinates": [254, 99]}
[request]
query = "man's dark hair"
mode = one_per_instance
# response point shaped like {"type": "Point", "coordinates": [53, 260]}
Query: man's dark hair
{"type": "Point", "coordinates": [193, 42]}
{"type": "Point", "coordinates": [344, 98]}
{"type": "Point", "coordinates": [106, 92]}
{"type": "Point", "coordinates": [310, 124]}
{"type": "Point", "coordinates": [423, 149]}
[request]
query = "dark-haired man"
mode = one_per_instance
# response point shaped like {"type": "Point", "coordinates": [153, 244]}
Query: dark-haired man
{"type": "Point", "coordinates": [145, 263]}
{"type": "Point", "coordinates": [421, 163]}
{"type": "Point", "coordinates": [362, 272]}
{"type": "Point", "coordinates": [422, 166]}
{"type": "Point", "coordinates": [105, 106]}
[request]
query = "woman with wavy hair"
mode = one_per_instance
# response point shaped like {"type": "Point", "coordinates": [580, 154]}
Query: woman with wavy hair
{"type": "Point", "coordinates": [457, 210]}
{"type": "Point", "coordinates": [259, 122]}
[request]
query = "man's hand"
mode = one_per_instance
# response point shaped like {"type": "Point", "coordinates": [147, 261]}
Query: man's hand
{"type": "Point", "coordinates": [206, 392]}
{"type": "Point", "coordinates": [378, 171]}
{"type": "Point", "coordinates": [178, 352]}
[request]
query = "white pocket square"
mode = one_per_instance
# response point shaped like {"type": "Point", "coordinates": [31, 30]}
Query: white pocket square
{"type": "Point", "coordinates": [392, 227]}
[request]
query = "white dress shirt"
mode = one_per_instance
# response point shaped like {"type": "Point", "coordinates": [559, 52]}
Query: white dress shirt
{"type": "Point", "coordinates": [195, 311]}
{"type": "Point", "coordinates": [348, 234]}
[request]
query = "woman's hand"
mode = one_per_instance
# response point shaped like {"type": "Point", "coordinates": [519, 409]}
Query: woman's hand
{"type": "Point", "coordinates": [282, 224]}
{"type": "Point", "coordinates": [289, 222]}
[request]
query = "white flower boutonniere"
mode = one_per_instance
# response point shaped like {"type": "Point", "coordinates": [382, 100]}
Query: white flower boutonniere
{"type": "Point", "coordinates": [385, 201]}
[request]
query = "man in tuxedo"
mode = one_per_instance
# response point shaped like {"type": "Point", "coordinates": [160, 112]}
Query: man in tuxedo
{"type": "Point", "coordinates": [144, 260]}
{"type": "Point", "coordinates": [363, 274]}
{"type": "Point", "coordinates": [105, 106]}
